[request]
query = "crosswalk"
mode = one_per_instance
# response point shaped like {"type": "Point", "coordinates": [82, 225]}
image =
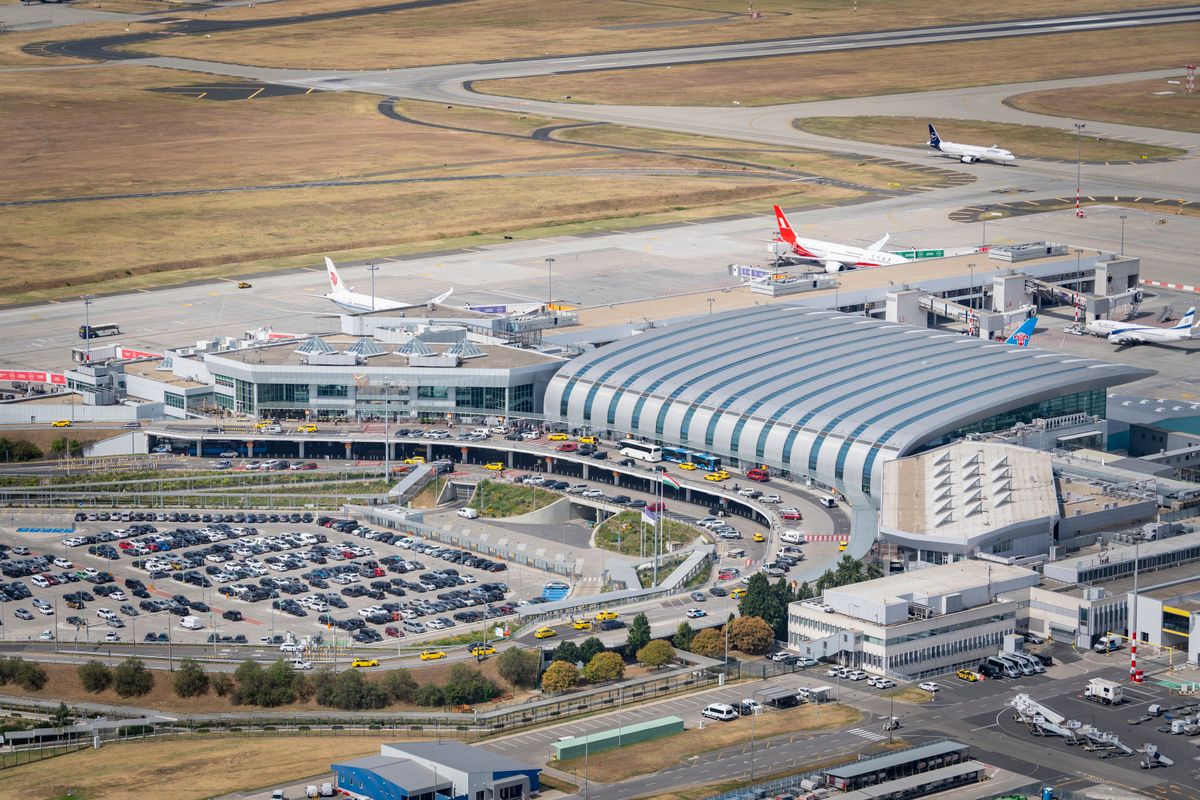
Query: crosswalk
{"type": "Point", "coordinates": [866, 734]}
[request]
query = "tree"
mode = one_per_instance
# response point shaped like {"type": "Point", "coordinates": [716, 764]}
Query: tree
{"type": "Point", "coordinates": [95, 676]}
{"type": "Point", "coordinates": [270, 687]}
{"type": "Point", "coordinates": [190, 680]}
{"type": "Point", "coordinates": [767, 602]}
{"type": "Point", "coordinates": [28, 675]}
{"type": "Point", "coordinates": [590, 647]}
{"type": "Point", "coordinates": [63, 446]}
{"type": "Point", "coordinates": [805, 592]}
{"type": "Point", "coordinates": [468, 685]}
{"type": "Point", "coordinates": [19, 450]}
{"type": "Point", "coordinates": [639, 634]}
{"type": "Point", "coordinates": [559, 677]}
{"type": "Point", "coordinates": [221, 683]}
{"type": "Point", "coordinates": [566, 651]}
{"type": "Point", "coordinates": [657, 653]}
{"type": "Point", "coordinates": [709, 642]}
{"type": "Point", "coordinates": [751, 635]}
{"type": "Point", "coordinates": [519, 667]}
{"type": "Point", "coordinates": [606, 666]}
{"type": "Point", "coordinates": [348, 691]}
{"type": "Point", "coordinates": [61, 716]}
{"type": "Point", "coordinates": [400, 685]}
{"type": "Point", "coordinates": [430, 694]}
{"type": "Point", "coordinates": [683, 636]}
{"type": "Point", "coordinates": [132, 679]}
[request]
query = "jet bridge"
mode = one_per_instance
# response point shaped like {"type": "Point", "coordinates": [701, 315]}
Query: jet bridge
{"type": "Point", "coordinates": [1088, 306]}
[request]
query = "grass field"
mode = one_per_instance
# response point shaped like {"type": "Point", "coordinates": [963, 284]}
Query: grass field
{"type": "Point", "coordinates": [792, 79]}
{"type": "Point", "coordinates": [625, 762]}
{"type": "Point", "coordinates": [519, 28]}
{"type": "Point", "coordinates": [98, 131]}
{"type": "Point", "coordinates": [1137, 103]}
{"type": "Point", "coordinates": [495, 499]}
{"type": "Point", "coordinates": [1023, 140]}
{"type": "Point", "coordinates": [623, 533]}
{"type": "Point", "coordinates": [187, 769]}
{"type": "Point", "coordinates": [909, 694]}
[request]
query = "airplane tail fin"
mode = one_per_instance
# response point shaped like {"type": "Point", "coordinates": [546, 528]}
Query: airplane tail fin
{"type": "Point", "coordinates": [1188, 319]}
{"type": "Point", "coordinates": [335, 281]}
{"type": "Point", "coordinates": [877, 246]}
{"type": "Point", "coordinates": [1021, 336]}
{"type": "Point", "coordinates": [785, 230]}
{"type": "Point", "coordinates": [935, 141]}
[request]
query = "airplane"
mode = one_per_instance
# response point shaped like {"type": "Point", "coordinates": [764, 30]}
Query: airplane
{"type": "Point", "coordinates": [347, 298]}
{"type": "Point", "coordinates": [1021, 336]}
{"type": "Point", "coordinates": [1132, 333]}
{"type": "Point", "coordinates": [968, 153]}
{"type": "Point", "coordinates": [833, 256]}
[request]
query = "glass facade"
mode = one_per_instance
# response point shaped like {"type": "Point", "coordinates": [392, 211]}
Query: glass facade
{"type": "Point", "coordinates": [333, 390]}
{"type": "Point", "coordinates": [433, 392]}
{"type": "Point", "coordinates": [243, 392]}
{"type": "Point", "coordinates": [278, 393]}
{"type": "Point", "coordinates": [520, 398]}
{"type": "Point", "coordinates": [173, 400]}
{"type": "Point", "coordinates": [223, 380]}
{"type": "Point", "coordinates": [489, 397]}
{"type": "Point", "coordinates": [1093, 402]}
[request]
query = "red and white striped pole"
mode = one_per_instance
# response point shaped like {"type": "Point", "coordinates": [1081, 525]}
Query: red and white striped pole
{"type": "Point", "coordinates": [1133, 676]}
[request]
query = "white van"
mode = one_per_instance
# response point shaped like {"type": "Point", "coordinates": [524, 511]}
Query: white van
{"type": "Point", "coordinates": [468, 513]}
{"type": "Point", "coordinates": [827, 500]}
{"type": "Point", "coordinates": [191, 623]}
{"type": "Point", "coordinates": [722, 712]}
{"type": "Point", "coordinates": [792, 537]}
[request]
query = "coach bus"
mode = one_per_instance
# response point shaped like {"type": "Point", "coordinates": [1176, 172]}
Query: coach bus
{"type": "Point", "coordinates": [643, 450]}
{"type": "Point", "coordinates": [93, 331]}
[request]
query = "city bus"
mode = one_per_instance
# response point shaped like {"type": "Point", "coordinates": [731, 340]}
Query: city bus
{"type": "Point", "coordinates": [93, 331]}
{"type": "Point", "coordinates": [706, 462]}
{"type": "Point", "coordinates": [643, 450]}
{"type": "Point", "coordinates": [675, 454]}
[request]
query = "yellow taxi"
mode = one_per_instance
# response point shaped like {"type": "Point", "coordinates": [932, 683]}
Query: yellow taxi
{"type": "Point", "coordinates": [601, 616]}
{"type": "Point", "coordinates": [415, 460]}
{"type": "Point", "coordinates": [494, 466]}
{"type": "Point", "coordinates": [588, 440]}
{"type": "Point", "coordinates": [307, 427]}
{"type": "Point", "coordinates": [738, 593]}
{"type": "Point", "coordinates": [967, 675]}
{"type": "Point", "coordinates": [689, 466]}
{"type": "Point", "coordinates": [842, 546]}
{"type": "Point", "coordinates": [432, 655]}
{"type": "Point", "coordinates": [243, 284]}
{"type": "Point", "coordinates": [543, 633]}
{"type": "Point", "coordinates": [266, 423]}
{"type": "Point", "coordinates": [365, 662]}
{"type": "Point", "coordinates": [558, 437]}
{"type": "Point", "coordinates": [581, 624]}
{"type": "Point", "coordinates": [479, 650]}
{"type": "Point", "coordinates": [719, 475]}
{"type": "Point", "coordinates": [758, 537]}
{"type": "Point", "coordinates": [61, 423]}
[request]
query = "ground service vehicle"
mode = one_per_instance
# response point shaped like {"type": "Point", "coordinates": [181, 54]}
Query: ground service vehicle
{"type": "Point", "coordinates": [1107, 644]}
{"type": "Point", "coordinates": [1100, 690]}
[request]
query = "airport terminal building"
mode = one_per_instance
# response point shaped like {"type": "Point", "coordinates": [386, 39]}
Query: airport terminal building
{"type": "Point", "coordinates": [820, 394]}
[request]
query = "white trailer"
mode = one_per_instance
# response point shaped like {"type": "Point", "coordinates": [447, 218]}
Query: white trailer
{"type": "Point", "coordinates": [1101, 690]}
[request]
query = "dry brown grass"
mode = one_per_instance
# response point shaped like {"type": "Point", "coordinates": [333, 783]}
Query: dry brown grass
{"type": "Point", "coordinates": [909, 694]}
{"type": "Point", "coordinates": [519, 28]}
{"type": "Point", "coordinates": [1136, 103]}
{"type": "Point", "coordinates": [1024, 140]}
{"type": "Point", "coordinates": [187, 769]}
{"type": "Point", "coordinates": [915, 68]}
{"type": "Point", "coordinates": [622, 763]}
{"type": "Point", "coordinates": [99, 131]}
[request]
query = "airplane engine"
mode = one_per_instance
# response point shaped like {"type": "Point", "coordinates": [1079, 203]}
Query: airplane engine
{"type": "Point", "coordinates": [833, 266]}
{"type": "Point", "coordinates": [967, 159]}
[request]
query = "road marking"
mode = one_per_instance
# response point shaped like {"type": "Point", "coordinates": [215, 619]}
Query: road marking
{"type": "Point", "coordinates": [866, 734]}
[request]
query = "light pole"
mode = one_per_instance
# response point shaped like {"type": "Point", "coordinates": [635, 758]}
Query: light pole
{"type": "Point", "coordinates": [983, 218]}
{"type": "Point", "coordinates": [1079, 126]}
{"type": "Point", "coordinates": [710, 305]}
{"type": "Point", "coordinates": [87, 326]}
{"type": "Point", "coordinates": [971, 294]}
{"type": "Point", "coordinates": [1123, 218]}
{"type": "Point", "coordinates": [373, 268]}
{"type": "Point", "coordinates": [549, 282]}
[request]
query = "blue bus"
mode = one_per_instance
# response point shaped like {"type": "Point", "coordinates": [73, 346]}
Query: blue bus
{"type": "Point", "coordinates": [676, 454]}
{"type": "Point", "coordinates": [706, 462]}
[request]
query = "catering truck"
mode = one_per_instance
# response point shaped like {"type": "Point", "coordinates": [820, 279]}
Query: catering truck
{"type": "Point", "coordinates": [1100, 690]}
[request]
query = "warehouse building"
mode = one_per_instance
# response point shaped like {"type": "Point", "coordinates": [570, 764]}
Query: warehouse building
{"type": "Point", "coordinates": [448, 770]}
{"type": "Point", "coordinates": [914, 624]}
{"type": "Point", "coordinates": [819, 394]}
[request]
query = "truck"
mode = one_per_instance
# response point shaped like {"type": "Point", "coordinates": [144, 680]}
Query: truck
{"type": "Point", "coordinates": [1107, 644]}
{"type": "Point", "coordinates": [1101, 690]}
{"type": "Point", "coordinates": [191, 623]}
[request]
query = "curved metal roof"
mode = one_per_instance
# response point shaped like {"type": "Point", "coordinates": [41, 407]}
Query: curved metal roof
{"type": "Point", "coordinates": [808, 390]}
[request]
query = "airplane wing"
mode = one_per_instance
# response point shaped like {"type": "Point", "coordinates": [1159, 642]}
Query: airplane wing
{"type": "Point", "coordinates": [879, 245]}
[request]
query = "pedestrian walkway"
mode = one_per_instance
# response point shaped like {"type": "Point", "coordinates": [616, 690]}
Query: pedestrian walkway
{"type": "Point", "coordinates": [866, 734]}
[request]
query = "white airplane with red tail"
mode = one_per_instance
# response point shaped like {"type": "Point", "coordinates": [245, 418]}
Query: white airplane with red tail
{"type": "Point", "coordinates": [834, 256]}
